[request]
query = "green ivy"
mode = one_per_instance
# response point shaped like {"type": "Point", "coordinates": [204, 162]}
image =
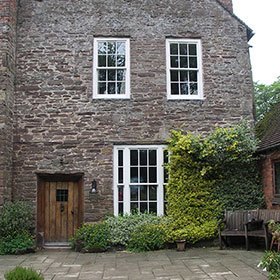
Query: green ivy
{"type": "Point", "coordinates": [207, 175]}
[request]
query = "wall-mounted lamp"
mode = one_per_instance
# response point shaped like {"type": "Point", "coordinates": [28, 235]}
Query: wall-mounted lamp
{"type": "Point", "coordinates": [93, 188]}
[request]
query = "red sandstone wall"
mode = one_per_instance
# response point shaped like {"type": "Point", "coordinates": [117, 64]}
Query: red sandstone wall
{"type": "Point", "coordinates": [268, 180]}
{"type": "Point", "coordinates": [7, 75]}
{"type": "Point", "coordinates": [227, 4]}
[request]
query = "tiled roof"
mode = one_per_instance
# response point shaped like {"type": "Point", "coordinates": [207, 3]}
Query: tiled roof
{"type": "Point", "coordinates": [271, 132]}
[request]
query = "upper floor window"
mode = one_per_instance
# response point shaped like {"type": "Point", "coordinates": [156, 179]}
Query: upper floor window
{"type": "Point", "coordinates": [111, 68]}
{"type": "Point", "coordinates": [184, 69]}
{"type": "Point", "coordinates": [277, 177]}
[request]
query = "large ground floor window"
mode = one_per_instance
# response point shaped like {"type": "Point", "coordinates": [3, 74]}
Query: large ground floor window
{"type": "Point", "coordinates": [139, 179]}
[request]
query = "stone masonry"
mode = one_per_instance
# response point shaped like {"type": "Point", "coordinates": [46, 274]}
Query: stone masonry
{"type": "Point", "coordinates": [60, 129]}
{"type": "Point", "coordinates": [7, 77]}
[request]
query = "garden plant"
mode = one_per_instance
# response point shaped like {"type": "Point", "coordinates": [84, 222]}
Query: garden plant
{"type": "Point", "coordinates": [16, 228]}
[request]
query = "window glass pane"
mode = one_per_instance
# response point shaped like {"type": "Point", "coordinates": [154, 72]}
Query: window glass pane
{"type": "Point", "coordinates": [153, 193]}
{"type": "Point", "coordinates": [101, 75]}
{"type": "Point", "coordinates": [165, 169]}
{"type": "Point", "coordinates": [134, 207]}
{"type": "Point", "coordinates": [184, 88]}
{"type": "Point", "coordinates": [153, 207]}
{"type": "Point", "coordinates": [111, 75]}
{"type": "Point", "coordinates": [174, 88]}
{"type": "Point", "coordinates": [134, 193]}
{"type": "Point", "coordinates": [174, 61]}
{"type": "Point", "coordinates": [120, 193]}
{"type": "Point", "coordinates": [102, 48]}
{"type": "Point", "coordinates": [193, 76]}
{"type": "Point", "coordinates": [193, 62]}
{"type": "Point", "coordinates": [120, 88]}
{"type": "Point", "coordinates": [62, 195]}
{"type": "Point", "coordinates": [277, 177]}
{"type": "Point", "coordinates": [134, 174]}
{"type": "Point", "coordinates": [184, 62]}
{"type": "Point", "coordinates": [120, 157]}
{"type": "Point", "coordinates": [192, 49]}
{"type": "Point", "coordinates": [174, 75]}
{"type": "Point", "coordinates": [152, 174]}
{"type": "Point", "coordinates": [120, 208]}
{"type": "Point", "coordinates": [173, 48]}
{"type": "Point", "coordinates": [102, 88]}
{"type": "Point", "coordinates": [120, 75]}
{"type": "Point", "coordinates": [143, 157]}
{"type": "Point", "coordinates": [152, 157]}
{"type": "Point", "coordinates": [102, 61]}
{"type": "Point", "coordinates": [143, 193]}
{"type": "Point", "coordinates": [143, 175]}
{"type": "Point", "coordinates": [183, 49]}
{"type": "Point", "coordinates": [143, 207]}
{"type": "Point", "coordinates": [121, 48]}
{"type": "Point", "coordinates": [134, 157]}
{"type": "Point", "coordinates": [120, 175]}
{"type": "Point", "coordinates": [111, 60]}
{"type": "Point", "coordinates": [111, 88]}
{"type": "Point", "coordinates": [184, 76]}
{"type": "Point", "coordinates": [111, 47]}
{"type": "Point", "coordinates": [193, 89]}
{"type": "Point", "coordinates": [121, 60]}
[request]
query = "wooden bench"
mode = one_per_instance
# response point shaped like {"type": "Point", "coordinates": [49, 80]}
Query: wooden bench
{"type": "Point", "coordinates": [247, 223]}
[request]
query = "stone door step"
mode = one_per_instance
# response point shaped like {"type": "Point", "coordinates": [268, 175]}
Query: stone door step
{"type": "Point", "coordinates": [57, 245]}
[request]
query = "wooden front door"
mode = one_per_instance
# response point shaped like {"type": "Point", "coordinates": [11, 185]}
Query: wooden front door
{"type": "Point", "coordinates": [59, 209]}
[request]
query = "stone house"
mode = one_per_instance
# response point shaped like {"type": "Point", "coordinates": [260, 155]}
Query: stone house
{"type": "Point", "coordinates": [269, 150]}
{"type": "Point", "coordinates": [91, 89]}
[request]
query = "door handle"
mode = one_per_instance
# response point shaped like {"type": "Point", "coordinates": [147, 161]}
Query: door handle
{"type": "Point", "coordinates": [61, 207]}
{"type": "Point", "coordinates": [72, 212]}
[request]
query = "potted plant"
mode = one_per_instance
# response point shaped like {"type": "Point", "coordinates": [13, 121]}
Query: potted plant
{"type": "Point", "coordinates": [179, 237]}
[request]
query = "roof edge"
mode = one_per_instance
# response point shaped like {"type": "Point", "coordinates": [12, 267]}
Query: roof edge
{"type": "Point", "coordinates": [250, 32]}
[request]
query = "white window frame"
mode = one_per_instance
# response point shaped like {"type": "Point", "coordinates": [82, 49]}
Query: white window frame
{"type": "Point", "coordinates": [170, 96]}
{"type": "Point", "coordinates": [126, 179]}
{"type": "Point", "coordinates": [95, 69]}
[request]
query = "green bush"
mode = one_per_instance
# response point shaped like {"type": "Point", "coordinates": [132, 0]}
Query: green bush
{"type": "Point", "coordinates": [121, 227]}
{"type": "Point", "coordinates": [271, 263]}
{"type": "Point", "coordinates": [91, 238]}
{"type": "Point", "coordinates": [15, 218]}
{"type": "Point", "coordinates": [21, 273]}
{"type": "Point", "coordinates": [147, 237]}
{"type": "Point", "coordinates": [16, 228]}
{"type": "Point", "coordinates": [22, 243]}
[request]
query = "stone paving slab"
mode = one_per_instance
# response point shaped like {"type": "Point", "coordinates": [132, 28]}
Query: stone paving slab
{"type": "Point", "coordinates": [193, 264]}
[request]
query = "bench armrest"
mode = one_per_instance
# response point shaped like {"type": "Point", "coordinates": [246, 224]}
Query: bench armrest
{"type": "Point", "coordinates": [254, 225]}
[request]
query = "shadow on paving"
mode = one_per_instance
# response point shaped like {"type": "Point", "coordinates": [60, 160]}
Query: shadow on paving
{"type": "Point", "coordinates": [196, 263]}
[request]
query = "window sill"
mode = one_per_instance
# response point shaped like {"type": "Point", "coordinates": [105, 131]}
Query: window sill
{"type": "Point", "coordinates": [95, 97]}
{"type": "Point", "coordinates": [185, 98]}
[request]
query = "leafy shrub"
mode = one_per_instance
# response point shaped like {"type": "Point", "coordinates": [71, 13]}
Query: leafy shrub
{"type": "Point", "coordinates": [15, 218]}
{"type": "Point", "coordinates": [21, 273]}
{"type": "Point", "coordinates": [121, 227]}
{"type": "Point", "coordinates": [16, 225]}
{"type": "Point", "coordinates": [271, 263]}
{"type": "Point", "coordinates": [91, 238]}
{"type": "Point", "coordinates": [147, 237]}
{"type": "Point", "coordinates": [22, 243]}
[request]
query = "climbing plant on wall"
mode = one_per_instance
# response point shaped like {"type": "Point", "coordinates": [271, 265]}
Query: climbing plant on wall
{"type": "Point", "coordinates": [207, 175]}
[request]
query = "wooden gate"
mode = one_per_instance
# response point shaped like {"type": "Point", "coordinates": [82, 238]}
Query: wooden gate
{"type": "Point", "coordinates": [59, 209]}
